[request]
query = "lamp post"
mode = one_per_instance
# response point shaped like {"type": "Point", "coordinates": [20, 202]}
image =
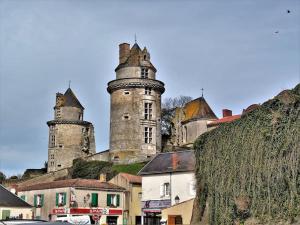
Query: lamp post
{"type": "Point", "coordinates": [177, 199]}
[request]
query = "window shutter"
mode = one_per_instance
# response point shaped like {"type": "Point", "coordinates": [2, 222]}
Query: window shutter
{"type": "Point", "coordinates": [35, 200]}
{"type": "Point", "coordinates": [65, 198]}
{"type": "Point", "coordinates": [162, 190]}
{"type": "Point", "coordinates": [42, 200]}
{"type": "Point", "coordinates": [94, 199]}
{"type": "Point", "coordinates": [118, 200]}
{"type": "Point", "coordinates": [108, 200]}
{"type": "Point", "coordinates": [23, 197]}
{"type": "Point", "coordinates": [57, 197]}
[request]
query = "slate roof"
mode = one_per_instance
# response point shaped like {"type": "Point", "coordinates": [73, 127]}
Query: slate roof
{"type": "Point", "coordinates": [8, 199]}
{"type": "Point", "coordinates": [71, 99]}
{"type": "Point", "coordinates": [82, 183]}
{"type": "Point", "coordinates": [133, 179]}
{"type": "Point", "coordinates": [198, 109]}
{"type": "Point", "coordinates": [182, 161]}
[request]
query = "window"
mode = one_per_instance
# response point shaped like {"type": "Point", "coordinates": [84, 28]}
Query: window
{"type": "Point", "coordinates": [148, 91]}
{"type": "Point", "coordinates": [126, 92]}
{"type": "Point", "coordinates": [144, 73]}
{"type": "Point", "coordinates": [60, 145]}
{"type": "Point", "coordinates": [61, 199]}
{"type": "Point", "coordinates": [94, 202]}
{"type": "Point", "coordinates": [52, 140]}
{"type": "Point", "coordinates": [51, 156]}
{"type": "Point", "coordinates": [58, 113]}
{"type": "Point", "coordinates": [148, 111]}
{"type": "Point", "coordinates": [113, 200]}
{"type": "Point", "coordinates": [38, 200]}
{"type": "Point", "coordinates": [51, 163]}
{"type": "Point", "coordinates": [165, 190]}
{"type": "Point", "coordinates": [148, 135]}
{"type": "Point", "coordinates": [126, 116]}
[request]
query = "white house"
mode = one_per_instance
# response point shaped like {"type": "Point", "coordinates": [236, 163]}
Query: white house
{"type": "Point", "coordinates": [167, 179]}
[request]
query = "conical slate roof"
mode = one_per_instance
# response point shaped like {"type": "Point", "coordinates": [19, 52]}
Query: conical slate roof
{"type": "Point", "coordinates": [71, 100]}
{"type": "Point", "coordinates": [198, 109]}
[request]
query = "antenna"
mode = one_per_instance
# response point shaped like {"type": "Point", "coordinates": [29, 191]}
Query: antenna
{"type": "Point", "coordinates": [202, 89]}
{"type": "Point", "coordinates": [134, 38]}
{"type": "Point", "coordinates": [69, 83]}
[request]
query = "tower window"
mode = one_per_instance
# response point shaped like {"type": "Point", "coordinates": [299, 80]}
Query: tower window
{"type": "Point", "coordinates": [126, 92]}
{"type": "Point", "coordinates": [52, 140]}
{"type": "Point", "coordinates": [148, 135]}
{"type": "Point", "coordinates": [148, 91]}
{"type": "Point", "coordinates": [126, 116]}
{"type": "Point", "coordinates": [148, 111]}
{"type": "Point", "coordinates": [144, 73]}
{"type": "Point", "coordinates": [58, 113]}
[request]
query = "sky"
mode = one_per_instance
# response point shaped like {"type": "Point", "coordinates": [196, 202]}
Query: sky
{"type": "Point", "coordinates": [240, 52]}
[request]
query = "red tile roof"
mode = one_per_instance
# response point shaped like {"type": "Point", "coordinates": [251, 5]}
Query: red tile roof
{"type": "Point", "coordinates": [83, 183]}
{"type": "Point", "coordinates": [226, 119]}
{"type": "Point", "coordinates": [132, 178]}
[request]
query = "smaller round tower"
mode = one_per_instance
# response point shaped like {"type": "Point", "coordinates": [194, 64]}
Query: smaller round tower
{"type": "Point", "coordinates": [70, 137]}
{"type": "Point", "coordinates": [135, 110]}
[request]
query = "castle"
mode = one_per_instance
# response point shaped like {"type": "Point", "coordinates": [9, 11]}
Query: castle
{"type": "Point", "coordinates": [135, 116]}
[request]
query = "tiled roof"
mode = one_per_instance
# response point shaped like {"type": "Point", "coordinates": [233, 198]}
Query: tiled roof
{"type": "Point", "coordinates": [170, 162]}
{"type": "Point", "coordinates": [8, 199]}
{"type": "Point", "coordinates": [198, 109]}
{"type": "Point", "coordinates": [83, 183]}
{"type": "Point", "coordinates": [226, 119]}
{"type": "Point", "coordinates": [132, 178]}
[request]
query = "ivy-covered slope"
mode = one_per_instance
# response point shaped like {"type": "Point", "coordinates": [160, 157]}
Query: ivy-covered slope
{"type": "Point", "coordinates": [250, 168]}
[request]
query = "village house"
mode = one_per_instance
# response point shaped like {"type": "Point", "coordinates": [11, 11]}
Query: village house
{"type": "Point", "coordinates": [133, 186]}
{"type": "Point", "coordinates": [76, 197]}
{"type": "Point", "coordinates": [13, 207]}
{"type": "Point", "coordinates": [168, 179]}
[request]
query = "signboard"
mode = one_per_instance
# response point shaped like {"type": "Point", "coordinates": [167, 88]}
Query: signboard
{"type": "Point", "coordinates": [156, 204]}
{"type": "Point", "coordinates": [88, 211]}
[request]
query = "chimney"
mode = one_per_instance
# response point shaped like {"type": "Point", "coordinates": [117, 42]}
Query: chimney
{"type": "Point", "coordinates": [174, 161]}
{"type": "Point", "coordinates": [102, 177]}
{"type": "Point", "coordinates": [124, 50]}
{"type": "Point", "coordinates": [227, 112]}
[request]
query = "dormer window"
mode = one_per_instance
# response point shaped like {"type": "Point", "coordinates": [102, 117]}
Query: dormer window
{"type": "Point", "coordinates": [144, 73]}
{"type": "Point", "coordinates": [145, 57]}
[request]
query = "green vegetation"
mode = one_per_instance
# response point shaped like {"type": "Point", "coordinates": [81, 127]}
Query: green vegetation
{"type": "Point", "coordinates": [92, 169]}
{"type": "Point", "coordinates": [130, 168]}
{"type": "Point", "coordinates": [251, 167]}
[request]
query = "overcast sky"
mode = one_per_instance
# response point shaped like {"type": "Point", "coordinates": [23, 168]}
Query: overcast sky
{"type": "Point", "coordinates": [240, 52]}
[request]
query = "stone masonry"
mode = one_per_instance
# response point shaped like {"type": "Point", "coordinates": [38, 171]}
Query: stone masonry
{"type": "Point", "coordinates": [70, 137]}
{"type": "Point", "coordinates": [135, 112]}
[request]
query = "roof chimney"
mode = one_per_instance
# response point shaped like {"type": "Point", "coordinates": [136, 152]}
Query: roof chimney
{"type": "Point", "coordinates": [102, 177]}
{"type": "Point", "coordinates": [227, 112]}
{"type": "Point", "coordinates": [174, 161]}
{"type": "Point", "coordinates": [124, 51]}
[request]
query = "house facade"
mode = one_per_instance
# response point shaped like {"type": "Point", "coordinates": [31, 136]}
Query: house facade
{"type": "Point", "coordinates": [13, 207]}
{"type": "Point", "coordinates": [76, 197]}
{"type": "Point", "coordinates": [167, 180]}
{"type": "Point", "coordinates": [133, 186]}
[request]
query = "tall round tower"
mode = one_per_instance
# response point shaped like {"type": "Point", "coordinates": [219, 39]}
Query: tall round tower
{"type": "Point", "coordinates": [70, 137]}
{"type": "Point", "coordinates": [135, 110]}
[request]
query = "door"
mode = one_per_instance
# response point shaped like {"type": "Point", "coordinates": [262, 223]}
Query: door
{"type": "Point", "coordinates": [5, 214]}
{"type": "Point", "coordinates": [171, 220]}
{"type": "Point", "coordinates": [111, 220]}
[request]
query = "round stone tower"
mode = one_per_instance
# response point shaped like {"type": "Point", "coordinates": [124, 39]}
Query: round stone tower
{"type": "Point", "coordinates": [135, 110]}
{"type": "Point", "coordinates": [70, 137]}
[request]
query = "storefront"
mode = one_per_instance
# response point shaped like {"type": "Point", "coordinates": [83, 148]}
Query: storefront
{"type": "Point", "coordinates": [109, 216]}
{"type": "Point", "coordinates": [151, 211]}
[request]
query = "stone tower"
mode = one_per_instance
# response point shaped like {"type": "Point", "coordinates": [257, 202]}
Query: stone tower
{"type": "Point", "coordinates": [135, 110]}
{"type": "Point", "coordinates": [70, 137]}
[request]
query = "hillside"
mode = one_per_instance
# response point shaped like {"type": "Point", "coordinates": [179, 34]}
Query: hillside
{"type": "Point", "coordinates": [249, 170]}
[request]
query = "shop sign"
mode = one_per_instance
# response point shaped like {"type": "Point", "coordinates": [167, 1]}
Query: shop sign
{"type": "Point", "coordinates": [156, 204]}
